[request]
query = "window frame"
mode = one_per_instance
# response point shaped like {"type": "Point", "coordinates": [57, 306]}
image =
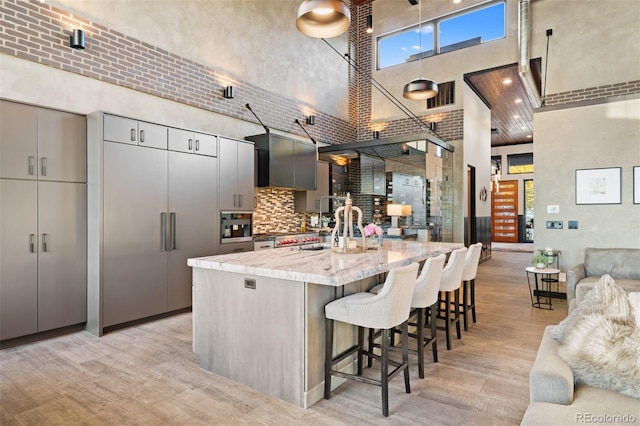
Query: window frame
{"type": "Point", "coordinates": [524, 155]}
{"type": "Point", "coordinates": [435, 22]}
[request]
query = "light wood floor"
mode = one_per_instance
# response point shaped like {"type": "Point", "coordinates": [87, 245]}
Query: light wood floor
{"type": "Point", "coordinates": [147, 374]}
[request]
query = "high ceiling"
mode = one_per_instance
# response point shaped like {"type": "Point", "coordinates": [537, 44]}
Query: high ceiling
{"type": "Point", "coordinates": [511, 121]}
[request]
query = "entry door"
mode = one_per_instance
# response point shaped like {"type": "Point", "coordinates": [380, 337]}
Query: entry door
{"type": "Point", "coordinates": [504, 212]}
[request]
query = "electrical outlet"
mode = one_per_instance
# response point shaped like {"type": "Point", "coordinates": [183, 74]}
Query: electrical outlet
{"type": "Point", "coordinates": [554, 224]}
{"type": "Point", "coordinates": [573, 224]}
{"type": "Point", "coordinates": [249, 283]}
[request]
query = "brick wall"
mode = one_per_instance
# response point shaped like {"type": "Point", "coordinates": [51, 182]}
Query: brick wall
{"type": "Point", "coordinates": [591, 93]}
{"type": "Point", "coordinates": [39, 33]}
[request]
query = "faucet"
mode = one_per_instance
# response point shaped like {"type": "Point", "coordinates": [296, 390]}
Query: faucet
{"type": "Point", "coordinates": [320, 210]}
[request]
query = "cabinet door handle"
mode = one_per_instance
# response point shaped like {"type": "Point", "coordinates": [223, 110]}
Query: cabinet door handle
{"type": "Point", "coordinates": [32, 243]}
{"type": "Point", "coordinates": [44, 166]}
{"type": "Point", "coordinates": [163, 231]}
{"type": "Point", "coordinates": [172, 224]}
{"type": "Point", "coordinates": [239, 200]}
{"type": "Point", "coordinates": [44, 243]}
{"type": "Point", "coordinates": [32, 163]}
{"type": "Point", "coordinates": [141, 136]}
{"type": "Point", "coordinates": [133, 135]}
{"type": "Point", "coordinates": [197, 145]}
{"type": "Point", "coordinates": [190, 142]}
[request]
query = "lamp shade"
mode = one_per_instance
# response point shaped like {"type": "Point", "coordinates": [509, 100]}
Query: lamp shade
{"type": "Point", "coordinates": [406, 210]}
{"type": "Point", "coordinates": [394, 209]}
{"type": "Point", "coordinates": [420, 89]}
{"type": "Point", "coordinates": [323, 18]}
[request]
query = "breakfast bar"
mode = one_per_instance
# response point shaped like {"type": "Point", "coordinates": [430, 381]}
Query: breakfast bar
{"type": "Point", "coordinates": [258, 317]}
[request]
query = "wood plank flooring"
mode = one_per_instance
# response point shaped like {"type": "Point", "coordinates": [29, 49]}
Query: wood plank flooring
{"type": "Point", "coordinates": [148, 375]}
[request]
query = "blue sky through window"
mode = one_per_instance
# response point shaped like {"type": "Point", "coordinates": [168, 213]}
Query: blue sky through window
{"type": "Point", "coordinates": [484, 24]}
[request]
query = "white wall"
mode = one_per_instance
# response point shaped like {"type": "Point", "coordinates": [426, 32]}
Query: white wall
{"type": "Point", "coordinates": [592, 136]}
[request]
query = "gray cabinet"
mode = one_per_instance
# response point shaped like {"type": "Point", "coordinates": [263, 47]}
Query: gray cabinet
{"type": "Point", "coordinates": [134, 132]}
{"type": "Point", "coordinates": [43, 238]}
{"type": "Point", "coordinates": [237, 162]}
{"type": "Point", "coordinates": [284, 162]}
{"type": "Point", "coordinates": [193, 142]}
{"type": "Point", "coordinates": [149, 210]}
{"type": "Point", "coordinates": [309, 201]}
{"type": "Point", "coordinates": [43, 144]}
{"type": "Point", "coordinates": [372, 176]}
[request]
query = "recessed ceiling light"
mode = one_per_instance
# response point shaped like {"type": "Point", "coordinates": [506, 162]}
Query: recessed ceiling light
{"type": "Point", "coordinates": [516, 116]}
{"type": "Point", "coordinates": [518, 101]}
{"type": "Point", "coordinates": [456, 1]}
{"type": "Point", "coordinates": [524, 127]}
{"type": "Point", "coordinates": [506, 81]}
{"type": "Point", "coordinates": [529, 136]}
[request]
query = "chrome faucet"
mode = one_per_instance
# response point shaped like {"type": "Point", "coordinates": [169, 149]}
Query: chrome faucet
{"type": "Point", "coordinates": [320, 209]}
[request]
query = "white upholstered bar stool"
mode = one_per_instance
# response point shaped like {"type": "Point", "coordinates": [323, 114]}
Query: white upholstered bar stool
{"type": "Point", "coordinates": [450, 284]}
{"type": "Point", "coordinates": [386, 310]}
{"type": "Point", "coordinates": [425, 300]}
{"type": "Point", "coordinates": [469, 283]}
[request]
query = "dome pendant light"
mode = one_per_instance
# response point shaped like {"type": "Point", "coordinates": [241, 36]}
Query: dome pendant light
{"type": "Point", "coordinates": [323, 18]}
{"type": "Point", "coordinates": [420, 88]}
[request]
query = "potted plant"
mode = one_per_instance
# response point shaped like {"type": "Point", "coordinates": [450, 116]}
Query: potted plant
{"type": "Point", "coordinates": [540, 260]}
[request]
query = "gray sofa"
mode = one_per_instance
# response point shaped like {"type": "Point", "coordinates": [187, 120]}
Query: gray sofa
{"type": "Point", "coordinates": [623, 264]}
{"type": "Point", "coordinates": [555, 399]}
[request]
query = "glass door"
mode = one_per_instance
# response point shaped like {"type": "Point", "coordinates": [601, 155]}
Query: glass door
{"type": "Point", "coordinates": [528, 210]}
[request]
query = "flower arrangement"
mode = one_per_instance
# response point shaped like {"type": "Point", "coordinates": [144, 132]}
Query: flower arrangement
{"type": "Point", "coordinates": [540, 261]}
{"type": "Point", "coordinates": [372, 229]}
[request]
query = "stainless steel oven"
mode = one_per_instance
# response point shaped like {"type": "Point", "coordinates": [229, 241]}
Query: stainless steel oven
{"type": "Point", "coordinates": [236, 227]}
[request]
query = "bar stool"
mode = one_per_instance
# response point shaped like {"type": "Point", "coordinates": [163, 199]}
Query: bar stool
{"type": "Point", "coordinates": [425, 300]}
{"type": "Point", "coordinates": [386, 310]}
{"type": "Point", "coordinates": [450, 283]}
{"type": "Point", "coordinates": [469, 283]}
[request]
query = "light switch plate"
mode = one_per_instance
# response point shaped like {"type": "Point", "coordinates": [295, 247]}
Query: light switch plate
{"type": "Point", "coordinates": [553, 209]}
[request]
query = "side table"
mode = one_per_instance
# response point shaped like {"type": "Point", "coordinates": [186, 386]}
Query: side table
{"type": "Point", "coordinates": [541, 277]}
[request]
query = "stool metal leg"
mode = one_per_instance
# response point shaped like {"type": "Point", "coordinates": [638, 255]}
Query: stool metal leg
{"type": "Point", "coordinates": [456, 305]}
{"type": "Point", "coordinates": [405, 354]}
{"type": "Point", "coordinates": [328, 357]}
{"type": "Point", "coordinates": [360, 349]}
{"type": "Point", "coordinates": [465, 303]}
{"type": "Point", "coordinates": [384, 375]}
{"type": "Point", "coordinates": [447, 314]}
{"type": "Point", "coordinates": [420, 339]}
{"type": "Point", "coordinates": [472, 285]}
{"type": "Point", "coordinates": [434, 346]}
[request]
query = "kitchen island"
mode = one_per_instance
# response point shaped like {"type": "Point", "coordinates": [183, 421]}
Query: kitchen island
{"type": "Point", "coordinates": [258, 317]}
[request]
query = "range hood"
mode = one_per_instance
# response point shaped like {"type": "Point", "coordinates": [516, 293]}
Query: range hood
{"type": "Point", "coordinates": [284, 162]}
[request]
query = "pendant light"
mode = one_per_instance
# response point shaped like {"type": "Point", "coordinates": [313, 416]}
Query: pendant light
{"type": "Point", "coordinates": [420, 88]}
{"type": "Point", "coordinates": [323, 18]}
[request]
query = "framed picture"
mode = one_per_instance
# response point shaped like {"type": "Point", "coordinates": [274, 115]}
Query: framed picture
{"type": "Point", "coordinates": [636, 185]}
{"type": "Point", "coordinates": [598, 186]}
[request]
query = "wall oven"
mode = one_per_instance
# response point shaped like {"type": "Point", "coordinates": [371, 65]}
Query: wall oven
{"type": "Point", "coordinates": [236, 227]}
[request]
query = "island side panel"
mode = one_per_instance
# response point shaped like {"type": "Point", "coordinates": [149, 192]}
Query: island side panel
{"type": "Point", "coordinates": [251, 336]}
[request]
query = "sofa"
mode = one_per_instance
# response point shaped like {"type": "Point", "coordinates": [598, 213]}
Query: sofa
{"type": "Point", "coordinates": [622, 264]}
{"type": "Point", "coordinates": [600, 339]}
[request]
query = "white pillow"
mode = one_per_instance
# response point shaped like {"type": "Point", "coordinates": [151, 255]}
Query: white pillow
{"type": "Point", "coordinates": [634, 300]}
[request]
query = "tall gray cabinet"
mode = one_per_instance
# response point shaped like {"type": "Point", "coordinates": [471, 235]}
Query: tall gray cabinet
{"type": "Point", "coordinates": [150, 209]}
{"type": "Point", "coordinates": [43, 239]}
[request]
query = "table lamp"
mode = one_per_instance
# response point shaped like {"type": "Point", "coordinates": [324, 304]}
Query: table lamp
{"type": "Point", "coordinates": [395, 211]}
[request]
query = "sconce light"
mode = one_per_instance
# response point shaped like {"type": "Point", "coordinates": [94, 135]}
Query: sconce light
{"type": "Point", "coordinates": [433, 126]}
{"type": "Point", "coordinates": [311, 120]}
{"type": "Point", "coordinates": [376, 134]}
{"type": "Point", "coordinates": [369, 24]}
{"type": "Point", "coordinates": [76, 39]}
{"type": "Point", "coordinates": [227, 93]}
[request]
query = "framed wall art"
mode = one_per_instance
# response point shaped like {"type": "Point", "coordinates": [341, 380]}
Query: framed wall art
{"type": "Point", "coordinates": [636, 185]}
{"type": "Point", "coordinates": [598, 186]}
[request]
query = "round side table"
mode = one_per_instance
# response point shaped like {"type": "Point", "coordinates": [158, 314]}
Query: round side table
{"type": "Point", "coordinates": [540, 277]}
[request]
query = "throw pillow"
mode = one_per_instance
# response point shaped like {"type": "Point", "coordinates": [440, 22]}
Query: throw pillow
{"type": "Point", "coordinates": [604, 353]}
{"type": "Point", "coordinates": [634, 299]}
{"type": "Point", "coordinates": [606, 298]}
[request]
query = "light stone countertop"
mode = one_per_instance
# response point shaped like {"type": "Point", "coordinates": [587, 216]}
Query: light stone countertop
{"type": "Point", "coordinates": [323, 266]}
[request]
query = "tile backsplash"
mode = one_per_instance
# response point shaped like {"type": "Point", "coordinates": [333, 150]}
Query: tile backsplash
{"type": "Point", "coordinates": [274, 211]}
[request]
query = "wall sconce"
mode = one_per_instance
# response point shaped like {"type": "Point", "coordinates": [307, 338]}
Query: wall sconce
{"type": "Point", "coordinates": [76, 39]}
{"type": "Point", "coordinates": [311, 120]}
{"type": "Point", "coordinates": [376, 134]}
{"type": "Point", "coordinates": [369, 24]}
{"type": "Point", "coordinates": [227, 93]}
{"type": "Point", "coordinates": [433, 126]}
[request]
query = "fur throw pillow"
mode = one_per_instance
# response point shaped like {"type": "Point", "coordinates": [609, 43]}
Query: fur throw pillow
{"type": "Point", "coordinates": [604, 353]}
{"type": "Point", "coordinates": [605, 298]}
